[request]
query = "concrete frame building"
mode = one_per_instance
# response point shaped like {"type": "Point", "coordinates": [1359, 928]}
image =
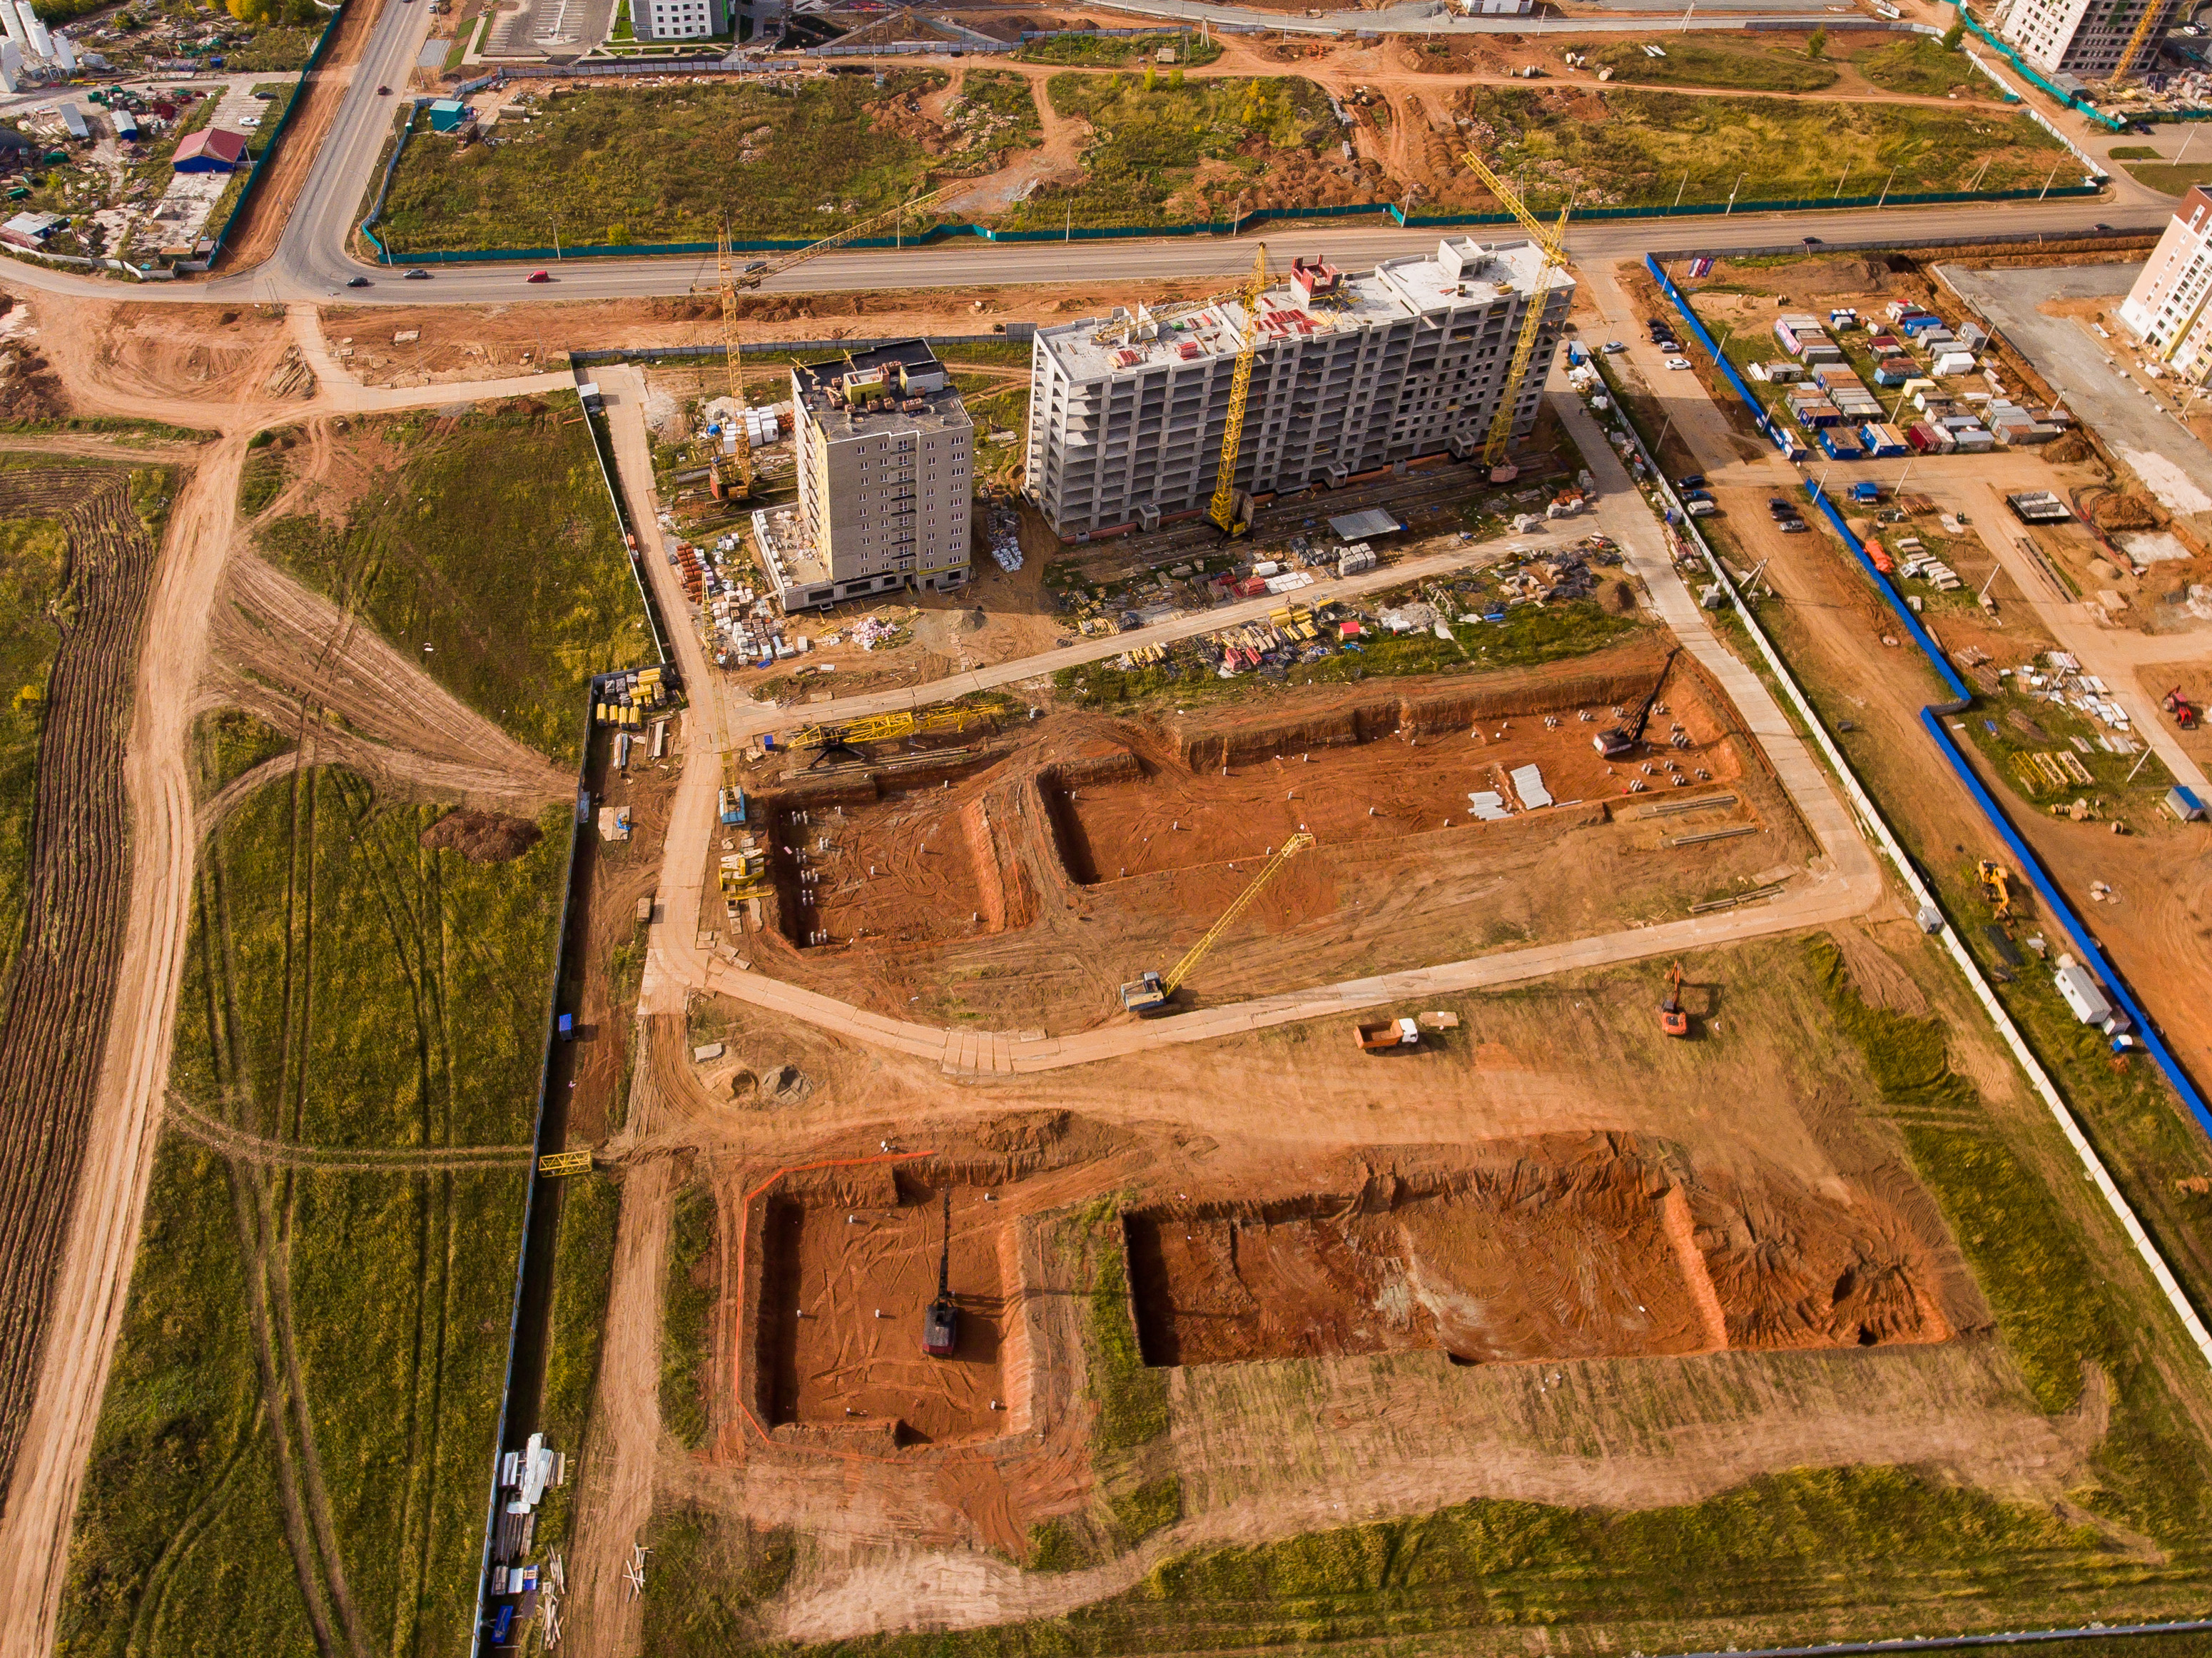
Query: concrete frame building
{"type": "Point", "coordinates": [678, 19]}
{"type": "Point", "coordinates": [2085, 38]}
{"type": "Point", "coordinates": [885, 480]}
{"type": "Point", "coordinates": [1353, 374]}
{"type": "Point", "coordinates": [2166, 309]}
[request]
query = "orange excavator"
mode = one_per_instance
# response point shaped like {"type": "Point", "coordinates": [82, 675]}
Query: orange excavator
{"type": "Point", "coordinates": [1672, 1020]}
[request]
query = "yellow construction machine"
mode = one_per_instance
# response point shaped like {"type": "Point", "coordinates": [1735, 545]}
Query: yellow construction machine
{"type": "Point", "coordinates": [1223, 510]}
{"type": "Point", "coordinates": [1996, 887]}
{"type": "Point", "coordinates": [846, 736]}
{"type": "Point", "coordinates": [1149, 993]}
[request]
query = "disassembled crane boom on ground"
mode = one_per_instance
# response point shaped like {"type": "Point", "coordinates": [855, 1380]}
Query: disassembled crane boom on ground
{"type": "Point", "coordinates": [845, 737]}
{"type": "Point", "coordinates": [940, 1324]}
{"type": "Point", "coordinates": [1550, 243]}
{"type": "Point", "coordinates": [1622, 739]}
{"type": "Point", "coordinates": [1672, 1020]}
{"type": "Point", "coordinates": [1222, 511]}
{"type": "Point", "coordinates": [1150, 993]}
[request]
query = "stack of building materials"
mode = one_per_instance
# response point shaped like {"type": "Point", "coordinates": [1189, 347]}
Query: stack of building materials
{"type": "Point", "coordinates": [1354, 559]}
{"type": "Point", "coordinates": [1528, 783]}
{"type": "Point", "coordinates": [2038, 507]}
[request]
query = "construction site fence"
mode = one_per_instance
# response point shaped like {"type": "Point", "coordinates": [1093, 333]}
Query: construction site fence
{"type": "Point", "coordinates": [1236, 227]}
{"type": "Point", "coordinates": [917, 48]}
{"type": "Point", "coordinates": [2035, 77]}
{"type": "Point", "coordinates": [1017, 333]}
{"type": "Point", "coordinates": [2031, 865]}
{"type": "Point", "coordinates": [272, 142]}
{"type": "Point", "coordinates": [1877, 828]}
{"type": "Point", "coordinates": [640, 542]}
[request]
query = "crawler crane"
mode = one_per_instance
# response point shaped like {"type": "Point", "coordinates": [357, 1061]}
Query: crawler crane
{"type": "Point", "coordinates": [1150, 993]}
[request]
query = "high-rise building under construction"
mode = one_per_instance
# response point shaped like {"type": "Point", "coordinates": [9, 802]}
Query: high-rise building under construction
{"type": "Point", "coordinates": [1352, 374]}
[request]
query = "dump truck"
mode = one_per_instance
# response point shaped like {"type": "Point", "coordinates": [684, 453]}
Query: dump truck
{"type": "Point", "coordinates": [1390, 1034]}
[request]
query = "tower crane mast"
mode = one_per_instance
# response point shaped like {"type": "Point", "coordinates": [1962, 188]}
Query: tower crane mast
{"type": "Point", "coordinates": [1222, 511]}
{"type": "Point", "coordinates": [1550, 244]}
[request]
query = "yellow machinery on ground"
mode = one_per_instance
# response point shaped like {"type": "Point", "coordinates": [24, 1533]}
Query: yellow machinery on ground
{"type": "Point", "coordinates": [1996, 887]}
{"type": "Point", "coordinates": [1550, 243]}
{"type": "Point", "coordinates": [1150, 993]}
{"type": "Point", "coordinates": [733, 473]}
{"type": "Point", "coordinates": [554, 1164]}
{"type": "Point", "coordinates": [846, 736]}
{"type": "Point", "coordinates": [1222, 511]}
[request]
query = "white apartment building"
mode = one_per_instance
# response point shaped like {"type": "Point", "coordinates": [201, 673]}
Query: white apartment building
{"type": "Point", "coordinates": [2086, 39]}
{"type": "Point", "coordinates": [2166, 308]}
{"type": "Point", "coordinates": [678, 19]}
{"type": "Point", "coordinates": [885, 480]}
{"type": "Point", "coordinates": [1353, 373]}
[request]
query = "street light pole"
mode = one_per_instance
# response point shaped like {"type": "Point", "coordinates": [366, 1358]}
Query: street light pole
{"type": "Point", "coordinates": [1884, 198]}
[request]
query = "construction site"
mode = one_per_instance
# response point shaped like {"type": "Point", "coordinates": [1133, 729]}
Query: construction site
{"type": "Point", "coordinates": [1013, 863]}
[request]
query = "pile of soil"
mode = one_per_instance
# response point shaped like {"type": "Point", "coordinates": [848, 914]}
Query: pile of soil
{"type": "Point", "coordinates": [2070, 449]}
{"type": "Point", "coordinates": [481, 837]}
{"type": "Point", "coordinates": [2122, 512]}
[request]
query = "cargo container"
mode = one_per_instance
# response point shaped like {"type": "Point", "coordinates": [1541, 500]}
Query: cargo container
{"type": "Point", "coordinates": [1839, 446]}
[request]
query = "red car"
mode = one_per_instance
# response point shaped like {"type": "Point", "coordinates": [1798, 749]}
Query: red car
{"type": "Point", "coordinates": [541, 276]}
{"type": "Point", "coordinates": [384, 92]}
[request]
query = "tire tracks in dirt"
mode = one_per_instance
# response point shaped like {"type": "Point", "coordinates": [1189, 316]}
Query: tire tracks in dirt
{"type": "Point", "coordinates": [238, 1146]}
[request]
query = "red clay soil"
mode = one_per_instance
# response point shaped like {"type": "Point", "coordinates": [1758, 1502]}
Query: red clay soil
{"type": "Point", "coordinates": [844, 1291]}
{"type": "Point", "coordinates": [1568, 1252]}
{"type": "Point", "coordinates": [1201, 808]}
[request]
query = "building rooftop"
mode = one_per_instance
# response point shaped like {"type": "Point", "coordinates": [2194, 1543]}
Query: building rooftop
{"type": "Point", "coordinates": [895, 388]}
{"type": "Point", "coordinates": [1316, 299]}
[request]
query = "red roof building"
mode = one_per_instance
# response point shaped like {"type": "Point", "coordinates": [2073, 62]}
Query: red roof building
{"type": "Point", "coordinates": [209, 150]}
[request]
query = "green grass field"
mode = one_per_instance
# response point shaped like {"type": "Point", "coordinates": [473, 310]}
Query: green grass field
{"type": "Point", "coordinates": [1920, 67]}
{"type": "Point", "coordinates": [1655, 147]}
{"type": "Point", "coordinates": [2169, 178]}
{"type": "Point", "coordinates": [777, 166]}
{"type": "Point", "coordinates": [1107, 52]}
{"type": "Point", "coordinates": [1142, 168]}
{"type": "Point", "coordinates": [307, 1382]}
{"type": "Point", "coordinates": [495, 545]}
{"type": "Point", "coordinates": [687, 1303]}
{"type": "Point", "coordinates": [1693, 63]}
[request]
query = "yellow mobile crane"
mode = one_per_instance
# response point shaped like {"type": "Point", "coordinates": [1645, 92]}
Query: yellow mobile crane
{"type": "Point", "coordinates": [735, 472]}
{"type": "Point", "coordinates": [846, 736]}
{"type": "Point", "coordinates": [1149, 993]}
{"type": "Point", "coordinates": [1550, 243]}
{"type": "Point", "coordinates": [1222, 511]}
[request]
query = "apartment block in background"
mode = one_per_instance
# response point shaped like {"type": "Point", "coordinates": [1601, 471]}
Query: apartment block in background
{"type": "Point", "coordinates": [678, 19]}
{"type": "Point", "coordinates": [2166, 308]}
{"type": "Point", "coordinates": [885, 480]}
{"type": "Point", "coordinates": [2086, 39]}
{"type": "Point", "coordinates": [1354, 374]}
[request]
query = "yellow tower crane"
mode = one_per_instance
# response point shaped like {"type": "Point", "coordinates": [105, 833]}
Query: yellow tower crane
{"type": "Point", "coordinates": [2152, 10]}
{"type": "Point", "coordinates": [1150, 992]}
{"type": "Point", "coordinates": [733, 471]}
{"type": "Point", "coordinates": [736, 469]}
{"type": "Point", "coordinates": [1222, 512]}
{"type": "Point", "coordinates": [1550, 243]}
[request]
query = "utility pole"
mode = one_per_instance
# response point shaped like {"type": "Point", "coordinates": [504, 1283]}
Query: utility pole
{"type": "Point", "coordinates": [1884, 199]}
{"type": "Point", "coordinates": [1685, 184]}
{"type": "Point", "coordinates": [1840, 177]}
{"type": "Point", "coordinates": [2047, 178]}
{"type": "Point", "coordinates": [1737, 185]}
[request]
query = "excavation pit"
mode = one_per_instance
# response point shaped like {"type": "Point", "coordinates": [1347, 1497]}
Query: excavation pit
{"type": "Point", "coordinates": [908, 865]}
{"type": "Point", "coordinates": [1598, 1256]}
{"type": "Point", "coordinates": [842, 1292]}
{"type": "Point", "coordinates": [1224, 797]}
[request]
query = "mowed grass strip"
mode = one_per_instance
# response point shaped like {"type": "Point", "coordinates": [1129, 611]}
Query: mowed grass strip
{"type": "Point", "coordinates": [346, 986]}
{"type": "Point", "coordinates": [663, 164]}
{"type": "Point", "coordinates": [491, 556]}
{"type": "Point", "coordinates": [1650, 148]}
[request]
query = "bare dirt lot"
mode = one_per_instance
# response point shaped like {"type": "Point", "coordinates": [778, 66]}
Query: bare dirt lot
{"type": "Point", "coordinates": [1017, 881]}
{"type": "Point", "coordinates": [844, 1289]}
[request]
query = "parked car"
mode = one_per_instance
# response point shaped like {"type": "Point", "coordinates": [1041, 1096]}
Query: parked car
{"type": "Point", "coordinates": [541, 276]}
{"type": "Point", "coordinates": [384, 92]}
{"type": "Point", "coordinates": [1781, 506]}
{"type": "Point", "coordinates": [1613, 348]}
{"type": "Point", "coordinates": [1691, 481]}
{"type": "Point", "coordinates": [1689, 495]}
{"type": "Point", "coordinates": [418, 274]}
{"type": "Point", "coordinates": [357, 281]}
{"type": "Point", "coordinates": [1792, 526]}
{"type": "Point", "coordinates": [1677, 362]}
